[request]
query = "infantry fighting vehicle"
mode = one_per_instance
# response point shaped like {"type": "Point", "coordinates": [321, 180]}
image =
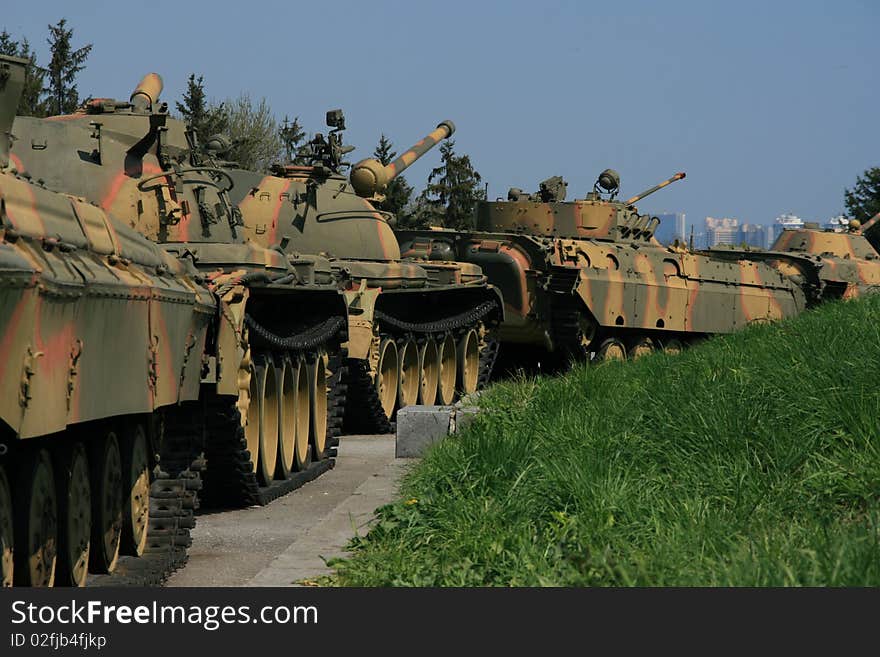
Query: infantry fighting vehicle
{"type": "Point", "coordinates": [101, 337]}
{"type": "Point", "coordinates": [587, 279]}
{"type": "Point", "coordinates": [418, 332]}
{"type": "Point", "coordinates": [271, 391]}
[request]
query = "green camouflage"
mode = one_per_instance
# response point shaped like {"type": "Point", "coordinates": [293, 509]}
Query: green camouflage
{"type": "Point", "coordinates": [587, 278]}
{"type": "Point", "coordinates": [316, 209]}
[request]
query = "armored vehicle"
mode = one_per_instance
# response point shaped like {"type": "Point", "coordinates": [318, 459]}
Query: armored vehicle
{"type": "Point", "coordinates": [271, 392]}
{"type": "Point", "coordinates": [101, 336]}
{"type": "Point", "coordinates": [587, 279]}
{"type": "Point", "coordinates": [829, 264]}
{"type": "Point", "coordinates": [419, 332]}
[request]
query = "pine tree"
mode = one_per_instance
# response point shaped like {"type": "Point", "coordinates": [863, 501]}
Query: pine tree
{"type": "Point", "coordinates": [63, 97]}
{"type": "Point", "coordinates": [863, 200]}
{"type": "Point", "coordinates": [206, 119]}
{"type": "Point", "coordinates": [31, 102]}
{"type": "Point", "coordinates": [399, 191]}
{"type": "Point", "coordinates": [292, 136]}
{"type": "Point", "coordinates": [453, 190]}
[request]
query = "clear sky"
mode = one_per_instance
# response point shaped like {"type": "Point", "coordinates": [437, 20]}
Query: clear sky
{"type": "Point", "coordinates": [768, 106]}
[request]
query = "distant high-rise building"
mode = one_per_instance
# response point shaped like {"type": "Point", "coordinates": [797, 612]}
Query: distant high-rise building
{"type": "Point", "coordinates": [753, 235]}
{"type": "Point", "coordinates": [672, 227]}
{"type": "Point", "coordinates": [721, 231]}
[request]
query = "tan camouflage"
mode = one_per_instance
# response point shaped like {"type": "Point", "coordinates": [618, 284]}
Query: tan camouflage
{"type": "Point", "coordinates": [586, 277]}
{"type": "Point", "coordinates": [315, 209]}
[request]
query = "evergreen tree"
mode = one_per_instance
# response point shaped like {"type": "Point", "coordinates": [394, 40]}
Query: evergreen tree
{"type": "Point", "coordinates": [31, 102]}
{"type": "Point", "coordinates": [292, 136]}
{"type": "Point", "coordinates": [399, 191]}
{"type": "Point", "coordinates": [863, 200]}
{"type": "Point", "coordinates": [256, 139]}
{"type": "Point", "coordinates": [207, 120]}
{"type": "Point", "coordinates": [453, 190]}
{"type": "Point", "coordinates": [63, 97]}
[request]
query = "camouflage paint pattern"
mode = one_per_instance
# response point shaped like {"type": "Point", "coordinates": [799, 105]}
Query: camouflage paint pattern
{"type": "Point", "coordinates": [594, 266]}
{"type": "Point", "coordinates": [315, 209]}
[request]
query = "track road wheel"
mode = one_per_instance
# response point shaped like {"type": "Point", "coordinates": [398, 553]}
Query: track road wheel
{"type": "Point", "coordinates": [448, 371]}
{"type": "Point", "coordinates": [302, 423]}
{"type": "Point", "coordinates": [386, 376]}
{"type": "Point", "coordinates": [74, 516]}
{"type": "Point", "coordinates": [6, 535]}
{"type": "Point", "coordinates": [287, 418]}
{"type": "Point", "coordinates": [106, 467]}
{"type": "Point", "coordinates": [468, 362]}
{"type": "Point", "coordinates": [251, 399]}
{"type": "Point", "coordinates": [318, 405]}
{"type": "Point", "coordinates": [36, 522]}
{"type": "Point", "coordinates": [267, 381]}
{"type": "Point", "coordinates": [408, 377]}
{"type": "Point", "coordinates": [429, 372]}
{"type": "Point", "coordinates": [611, 349]}
{"type": "Point", "coordinates": [641, 347]}
{"type": "Point", "coordinates": [672, 347]}
{"type": "Point", "coordinates": [136, 500]}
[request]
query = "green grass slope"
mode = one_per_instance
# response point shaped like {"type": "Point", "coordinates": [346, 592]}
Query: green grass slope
{"type": "Point", "coordinates": [752, 459]}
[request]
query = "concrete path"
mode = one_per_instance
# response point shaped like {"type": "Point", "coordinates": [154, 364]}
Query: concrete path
{"type": "Point", "coordinates": [284, 542]}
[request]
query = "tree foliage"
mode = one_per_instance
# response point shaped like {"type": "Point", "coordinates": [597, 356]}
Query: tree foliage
{"type": "Point", "coordinates": [206, 119]}
{"type": "Point", "coordinates": [399, 191]}
{"type": "Point", "coordinates": [863, 200]}
{"type": "Point", "coordinates": [292, 136]}
{"type": "Point", "coordinates": [452, 192]}
{"type": "Point", "coordinates": [66, 62]}
{"type": "Point", "coordinates": [256, 138]}
{"type": "Point", "coordinates": [31, 102]}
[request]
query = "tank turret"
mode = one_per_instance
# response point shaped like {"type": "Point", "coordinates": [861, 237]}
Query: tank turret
{"type": "Point", "coordinates": [370, 178]}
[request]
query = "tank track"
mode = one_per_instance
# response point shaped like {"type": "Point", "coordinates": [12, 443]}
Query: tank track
{"type": "Point", "coordinates": [336, 400]}
{"type": "Point", "coordinates": [364, 413]}
{"type": "Point", "coordinates": [230, 480]}
{"type": "Point", "coordinates": [174, 499]}
{"type": "Point", "coordinates": [488, 357]}
{"type": "Point", "coordinates": [565, 312]}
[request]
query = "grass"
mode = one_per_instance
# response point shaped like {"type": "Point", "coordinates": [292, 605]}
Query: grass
{"type": "Point", "coordinates": [749, 460]}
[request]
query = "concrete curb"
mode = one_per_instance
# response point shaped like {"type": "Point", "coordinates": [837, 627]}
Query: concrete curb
{"type": "Point", "coordinates": [419, 427]}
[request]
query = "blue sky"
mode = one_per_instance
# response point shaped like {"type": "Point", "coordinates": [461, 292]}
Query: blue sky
{"type": "Point", "coordinates": [768, 106]}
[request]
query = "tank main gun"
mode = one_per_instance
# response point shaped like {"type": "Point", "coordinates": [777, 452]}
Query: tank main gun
{"type": "Point", "coordinates": [146, 93]}
{"type": "Point", "coordinates": [370, 178]}
{"type": "Point", "coordinates": [638, 197]}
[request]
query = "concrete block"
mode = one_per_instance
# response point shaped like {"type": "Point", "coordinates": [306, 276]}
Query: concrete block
{"type": "Point", "coordinates": [419, 427]}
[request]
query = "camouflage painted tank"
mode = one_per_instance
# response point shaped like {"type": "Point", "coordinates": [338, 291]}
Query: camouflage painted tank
{"type": "Point", "coordinates": [418, 332]}
{"type": "Point", "coordinates": [587, 279]}
{"type": "Point", "coordinates": [101, 342]}
{"type": "Point", "coordinates": [271, 371]}
{"type": "Point", "coordinates": [829, 264]}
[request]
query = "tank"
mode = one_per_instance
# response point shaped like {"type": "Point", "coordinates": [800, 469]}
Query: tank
{"type": "Point", "coordinates": [272, 368]}
{"type": "Point", "coordinates": [831, 264]}
{"type": "Point", "coordinates": [418, 332]}
{"type": "Point", "coordinates": [586, 279]}
{"type": "Point", "coordinates": [101, 338]}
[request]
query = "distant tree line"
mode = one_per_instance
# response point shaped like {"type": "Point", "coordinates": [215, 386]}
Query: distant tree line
{"type": "Point", "coordinates": [257, 139]}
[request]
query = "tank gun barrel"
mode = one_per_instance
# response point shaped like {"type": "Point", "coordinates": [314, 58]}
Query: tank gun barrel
{"type": "Point", "coordinates": [369, 177]}
{"type": "Point", "coordinates": [147, 92]}
{"type": "Point", "coordinates": [647, 192]}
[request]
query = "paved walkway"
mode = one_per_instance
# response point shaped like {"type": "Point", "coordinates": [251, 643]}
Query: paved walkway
{"type": "Point", "coordinates": [288, 540]}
